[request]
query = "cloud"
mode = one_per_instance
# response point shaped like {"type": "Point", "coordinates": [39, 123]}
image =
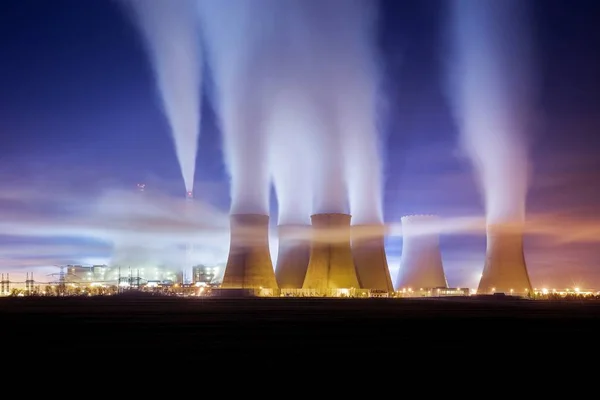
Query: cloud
{"type": "Point", "coordinates": [119, 224]}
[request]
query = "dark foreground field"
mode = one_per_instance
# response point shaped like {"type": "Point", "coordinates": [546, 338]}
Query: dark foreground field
{"type": "Point", "coordinates": [189, 327]}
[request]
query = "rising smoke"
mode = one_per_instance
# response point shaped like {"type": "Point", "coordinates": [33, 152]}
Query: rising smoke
{"type": "Point", "coordinates": [491, 87]}
{"type": "Point", "coordinates": [289, 149]}
{"type": "Point", "coordinates": [241, 40]}
{"type": "Point", "coordinates": [358, 101]}
{"type": "Point", "coordinates": [172, 39]}
{"type": "Point", "coordinates": [295, 92]}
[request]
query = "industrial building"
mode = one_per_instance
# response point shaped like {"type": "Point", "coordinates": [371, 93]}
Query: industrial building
{"type": "Point", "coordinates": [368, 251]}
{"type": "Point", "coordinates": [293, 255]}
{"type": "Point", "coordinates": [505, 270]}
{"type": "Point", "coordinates": [249, 264]}
{"type": "Point", "coordinates": [421, 261]}
{"type": "Point", "coordinates": [331, 265]}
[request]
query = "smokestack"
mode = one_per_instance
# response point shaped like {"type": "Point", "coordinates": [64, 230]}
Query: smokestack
{"type": "Point", "coordinates": [187, 270]}
{"type": "Point", "coordinates": [249, 264]}
{"type": "Point", "coordinates": [293, 255]}
{"type": "Point", "coordinates": [421, 263]}
{"type": "Point", "coordinates": [505, 270]}
{"type": "Point", "coordinates": [368, 250]}
{"type": "Point", "coordinates": [331, 265]}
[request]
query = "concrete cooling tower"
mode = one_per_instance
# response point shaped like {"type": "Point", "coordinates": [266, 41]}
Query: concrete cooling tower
{"type": "Point", "coordinates": [331, 265]}
{"type": "Point", "coordinates": [249, 264]}
{"type": "Point", "coordinates": [505, 270]}
{"type": "Point", "coordinates": [293, 255]}
{"type": "Point", "coordinates": [368, 250]}
{"type": "Point", "coordinates": [421, 262]}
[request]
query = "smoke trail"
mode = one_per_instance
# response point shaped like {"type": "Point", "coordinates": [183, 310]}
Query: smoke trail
{"type": "Point", "coordinates": [172, 39]}
{"type": "Point", "coordinates": [242, 40]}
{"type": "Point", "coordinates": [341, 78]}
{"type": "Point", "coordinates": [290, 148]}
{"type": "Point", "coordinates": [491, 95]}
{"type": "Point", "coordinates": [358, 98]}
{"type": "Point", "coordinates": [291, 74]}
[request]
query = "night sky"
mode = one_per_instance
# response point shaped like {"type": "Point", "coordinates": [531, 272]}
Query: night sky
{"type": "Point", "coordinates": [81, 125]}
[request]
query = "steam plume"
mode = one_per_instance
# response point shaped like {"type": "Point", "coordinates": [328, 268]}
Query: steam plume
{"type": "Point", "coordinates": [295, 88]}
{"type": "Point", "coordinates": [170, 31]}
{"type": "Point", "coordinates": [358, 98]}
{"type": "Point", "coordinates": [290, 148]}
{"type": "Point", "coordinates": [243, 42]}
{"type": "Point", "coordinates": [491, 94]}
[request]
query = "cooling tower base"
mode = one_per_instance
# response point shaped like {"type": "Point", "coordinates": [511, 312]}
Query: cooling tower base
{"type": "Point", "coordinates": [293, 255]}
{"type": "Point", "coordinates": [331, 265]}
{"type": "Point", "coordinates": [505, 270]}
{"type": "Point", "coordinates": [368, 250]}
{"type": "Point", "coordinates": [249, 264]}
{"type": "Point", "coordinates": [421, 263]}
{"type": "Point", "coordinates": [240, 293]}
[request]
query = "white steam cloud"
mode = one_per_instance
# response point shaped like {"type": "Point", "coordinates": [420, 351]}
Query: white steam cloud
{"type": "Point", "coordinates": [491, 87]}
{"type": "Point", "coordinates": [172, 39]}
{"type": "Point", "coordinates": [239, 36]}
{"type": "Point", "coordinates": [296, 92]}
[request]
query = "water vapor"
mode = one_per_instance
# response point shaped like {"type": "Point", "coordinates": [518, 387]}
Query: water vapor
{"type": "Point", "coordinates": [359, 100]}
{"type": "Point", "coordinates": [172, 38]}
{"type": "Point", "coordinates": [240, 37]}
{"type": "Point", "coordinates": [296, 87]}
{"type": "Point", "coordinates": [289, 150]}
{"type": "Point", "coordinates": [491, 89]}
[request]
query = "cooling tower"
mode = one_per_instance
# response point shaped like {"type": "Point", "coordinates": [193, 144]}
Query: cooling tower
{"type": "Point", "coordinates": [421, 262]}
{"type": "Point", "coordinates": [293, 255]}
{"type": "Point", "coordinates": [249, 264]}
{"type": "Point", "coordinates": [368, 251]}
{"type": "Point", "coordinates": [331, 265]}
{"type": "Point", "coordinates": [505, 270]}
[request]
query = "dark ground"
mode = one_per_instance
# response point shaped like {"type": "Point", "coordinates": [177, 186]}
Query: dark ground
{"type": "Point", "coordinates": [180, 328]}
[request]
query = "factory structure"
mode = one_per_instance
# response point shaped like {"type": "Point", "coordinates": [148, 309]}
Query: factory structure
{"type": "Point", "coordinates": [333, 258]}
{"type": "Point", "coordinates": [421, 266]}
{"type": "Point", "coordinates": [329, 258]}
{"type": "Point", "coordinates": [505, 270]}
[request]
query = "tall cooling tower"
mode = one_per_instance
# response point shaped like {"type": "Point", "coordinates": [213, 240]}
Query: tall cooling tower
{"type": "Point", "coordinates": [505, 269]}
{"type": "Point", "coordinates": [293, 255]}
{"type": "Point", "coordinates": [249, 264]}
{"type": "Point", "coordinates": [368, 250]}
{"type": "Point", "coordinates": [331, 265]}
{"type": "Point", "coordinates": [421, 262]}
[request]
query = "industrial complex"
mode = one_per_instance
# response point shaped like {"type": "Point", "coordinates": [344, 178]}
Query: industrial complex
{"type": "Point", "coordinates": [329, 258]}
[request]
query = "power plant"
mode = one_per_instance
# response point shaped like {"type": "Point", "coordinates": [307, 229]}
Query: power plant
{"type": "Point", "coordinates": [505, 270]}
{"type": "Point", "coordinates": [331, 265]}
{"type": "Point", "coordinates": [293, 255]}
{"type": "Point", "coordinates": [368, 251]}
{"type": "Point", "coordinates": [421, 261]}
{"type": "Point", "coordinates": [249, 264]}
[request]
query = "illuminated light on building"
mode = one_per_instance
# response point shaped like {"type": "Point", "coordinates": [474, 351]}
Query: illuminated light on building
{"type": "Point", "coordinates": [576, 291]}
{"type": "Point", "coordinates": [331, 265]}
{"type": "Point", "coordinates": [433, 292]}
{"type": "Point", "coordinates": [249, 264]}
